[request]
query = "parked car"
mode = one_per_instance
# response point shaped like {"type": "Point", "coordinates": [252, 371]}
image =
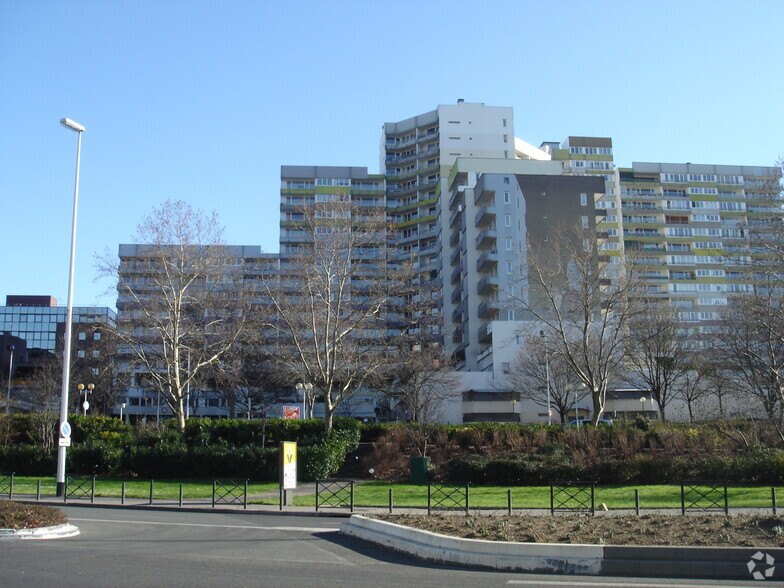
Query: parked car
{"type": "Point", "coordinates": [588, 422]}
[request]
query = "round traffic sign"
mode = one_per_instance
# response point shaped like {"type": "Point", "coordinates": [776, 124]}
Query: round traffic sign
{"type": "Point", "coordinates": [65, 429]}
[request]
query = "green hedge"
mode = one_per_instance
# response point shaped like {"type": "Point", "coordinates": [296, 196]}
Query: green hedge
{"type": "Point", "coordinates": [757, 467]}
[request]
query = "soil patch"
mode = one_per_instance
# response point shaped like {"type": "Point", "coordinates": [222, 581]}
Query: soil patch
{"type": "Point", "coordinates": [651, 529]}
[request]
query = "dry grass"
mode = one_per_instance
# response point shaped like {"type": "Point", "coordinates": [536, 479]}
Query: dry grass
{"type": "Point", "coordinates": [14, 515]}
{"type": "Point", "coordinates": [653, 529]}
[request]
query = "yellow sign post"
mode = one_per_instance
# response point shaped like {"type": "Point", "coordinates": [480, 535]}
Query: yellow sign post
{"type": "Point", "coordinates": [288, 468]}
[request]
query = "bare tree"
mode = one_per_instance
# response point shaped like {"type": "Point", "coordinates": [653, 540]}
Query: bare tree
{"type": "Point", "coordinates": [657, 351]}
{"type": "Point", "coordinates": [422, 384]}
{"type": "Point", "coordinates": [751, 346]}
{"type": "Point", "coordinates": [541, 375]}
{"type": "Point", "coordinates": [181, 289]}
{"type": "Point", "coordinates": [334, 300]}
{"type": "Point", "coordinates": [586, 304]}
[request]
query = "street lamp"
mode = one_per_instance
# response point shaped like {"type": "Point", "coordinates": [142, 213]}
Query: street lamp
{"type": "Point", "coordinates": [122, 405]}
{"type": "Point", "coordinates": [85, 390]}
{"type": "Point", "coordinates": [514, 402]}
{"type": "Point", "coordinates": [643, 399]}
{"type": "Point", "coordinates": [304, 389]}
{"type": "Point", "coordinates": [547, 380]}
{"type": "Point", "coordinates": [79, 129]}
{"type": "Point", "coordinates": [10, 371]}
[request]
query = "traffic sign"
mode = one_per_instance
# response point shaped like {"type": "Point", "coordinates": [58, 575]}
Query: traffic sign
{"type": "Point", "coordinates": [65, 430]}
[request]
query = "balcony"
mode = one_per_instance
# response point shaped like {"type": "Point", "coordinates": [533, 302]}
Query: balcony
{"type": "Point", "coordinates": [487, 239]}
{"type": "Point", "coordinates": [487, 261]}
{"type": "Point", "coordinates": [455, 257]}
{"type": "Point", "coordinates": [456, 215]}
{"type": "Point", "coordinates": [457, 294]}
{"type": "Point", "coordinates": [485, 216]}
{"type": "Point", "coordinates": [488, 309]}
{"type": "Point", "coordinates": [487, 285]}
{"type": "Point", "coordinates": [455, 277]}
{"type": "Point", "coordinates": [486, 332]}
{"type": "Point", "coordinates": [457, 313]}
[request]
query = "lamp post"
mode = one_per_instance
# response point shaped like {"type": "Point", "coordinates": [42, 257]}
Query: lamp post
{"type": "Point", "coordinates": [547, 380]}
{"type": "Point", "coordinates": [10, 371]}
{"type": "Point", "coordinates": [642, 400]}
{"type": "Point", "coordinates": [85, 390]}
{"type": "Point", "coordinates": [514, 402]}
{"type": "Point", "coordinates": [78, 129]}
{"type": "Point", "coordinates": [304, 389]}
{"type": "Point", "coordinates": [122, 406]}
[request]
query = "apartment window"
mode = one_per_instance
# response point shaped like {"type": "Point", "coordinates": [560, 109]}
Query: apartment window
{"type": "Point", "coordinates": [508, 267]}
{"type": "Point", "coordinates": [584, 221]}
{"type": "Point", "coordinates": [507, 220]}
{"type": "Point", "coordinates": [506, 179]}
{"type": "Point", "coordinates": [504, 122]}
{"type": "Point", "coordinates": [507, 198]}
{"type": "Point", "coordinates": [583, 199]}
{"type": "Point", "coordinates": [505, 367]}
{"type": "Point", "coordinates": [508, 244]}
{"type": "Point", "coordinates": [82, 336]}
{"type": "Point", "coordinates": [510, 316]}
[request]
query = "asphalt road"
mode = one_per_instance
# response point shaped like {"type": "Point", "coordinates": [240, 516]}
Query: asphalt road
{"type": "Point", "coordinates": [138, 548]}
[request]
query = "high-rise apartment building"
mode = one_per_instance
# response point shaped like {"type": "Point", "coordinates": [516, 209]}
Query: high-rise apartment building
{"type": "Point", "coordinates": [469, 201]}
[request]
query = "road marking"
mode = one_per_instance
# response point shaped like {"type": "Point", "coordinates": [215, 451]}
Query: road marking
{"type": "Point", "coordinates": [619, 584]}
{"type": "Point", "coordinates": [254, 527]}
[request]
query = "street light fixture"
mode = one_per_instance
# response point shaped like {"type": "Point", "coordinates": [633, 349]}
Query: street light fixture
{"type": "Point", "coordinates": [85, 390]}
{"type": "Point", "coordinates": [79, 129]}
{"type": "Point", "coordinates": [643, 399]}
{"type": "Point", "coordinates": [10, 371]}
{"type": "Point", "coordinates": [304, 389]}
{"type": "Point", "coordinates": [122, 406]}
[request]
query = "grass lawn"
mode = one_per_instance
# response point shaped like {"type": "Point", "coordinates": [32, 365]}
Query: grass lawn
{"type": "Point", "coordinates": [615, 497]}
{"type": "Point", "coordinates": [162, 489]}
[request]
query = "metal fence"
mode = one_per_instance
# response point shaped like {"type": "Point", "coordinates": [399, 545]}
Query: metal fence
{"type": "Point", "coordinates": [447, 497]}
{"type": "Point", "coordinates": [79, 487]}
{"type": "Point", "coordinates": [572, 497]}
{"type": "Point", "coordinates": [229, 492]}
{"type": "Point", "coordinates": [705, 497]}
{"type": "Point", "coordinates": [335, 494]}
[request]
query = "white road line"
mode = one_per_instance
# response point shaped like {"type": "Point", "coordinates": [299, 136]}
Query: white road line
{"type": "Point", "coordinates": [619, 584]}
{"type": "Point", "coordinates": [254, 527]}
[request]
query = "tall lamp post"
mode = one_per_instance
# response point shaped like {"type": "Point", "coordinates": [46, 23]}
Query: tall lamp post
{"type": "Point", "coordinates": [642, 400]}
{"type": "Point", "coordinates": [64, 427]}
{"type": "Point", "coordinates": [10, 371]}
{"type": "Point", "coordinates": [305, 389]}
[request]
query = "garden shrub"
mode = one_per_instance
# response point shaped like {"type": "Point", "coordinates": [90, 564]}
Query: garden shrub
{"type": "Point", "coordinates": [27, 460]}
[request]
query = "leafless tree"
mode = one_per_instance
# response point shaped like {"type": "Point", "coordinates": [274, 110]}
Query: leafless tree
{"type": "Point", "coordinates": [586, 303]}
{"type": "Point", "coordinates": [182, 290]}
{"type": "Point", "coordinates": [422, 384]}
{"type": "Point", "coordinates": [751, 346]}
{"type": "Point", "coordinates": [539, 373]}
{"type": "Point", "coordinates": [335, 301]}
{"type": "Point", "coordinates": [657, 351]}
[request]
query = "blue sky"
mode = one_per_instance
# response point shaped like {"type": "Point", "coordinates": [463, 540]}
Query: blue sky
{"type": "Point", "coordinates": [204, 101]}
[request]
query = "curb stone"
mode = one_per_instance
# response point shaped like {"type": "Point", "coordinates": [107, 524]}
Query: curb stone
{"type": "Point", "coordinates": [56, 532]}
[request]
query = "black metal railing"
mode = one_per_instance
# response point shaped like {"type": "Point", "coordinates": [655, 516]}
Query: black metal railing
{"type": "Point", "coordinates": [572, 497]}
{"type": "Point", "coordinates": [229, 492]}
{"type": "Point", "coordinates": [79, 487]}
{"type": "Point", "coordinates": [704, 496]}
{"type": "Point", "coordinates": [447, 497]}
{"type": "Point", "coordinates": [335, 494]}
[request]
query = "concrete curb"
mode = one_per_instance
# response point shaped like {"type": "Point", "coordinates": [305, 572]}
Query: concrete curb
{"type": "Point", "coordinates": [671, 562]}
{"type": "Point", "coordinates": [57, 532]}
